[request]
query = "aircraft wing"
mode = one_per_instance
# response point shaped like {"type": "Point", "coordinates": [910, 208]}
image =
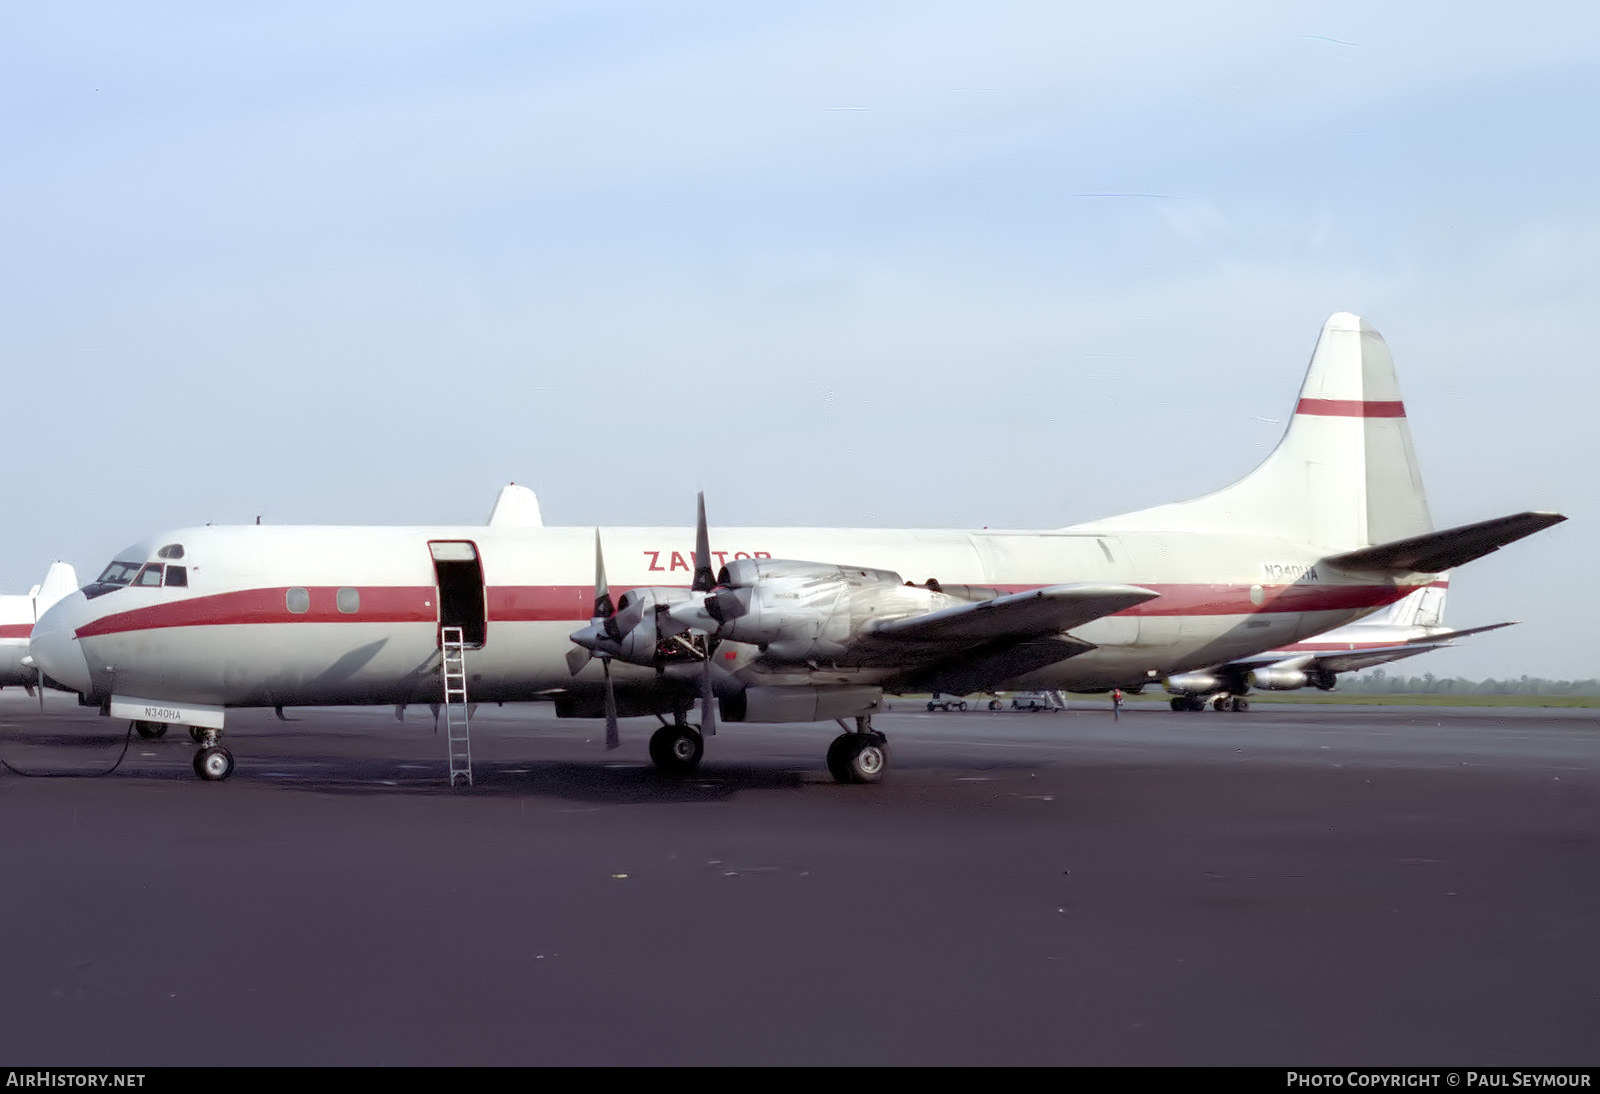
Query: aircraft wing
{"type": "Point", "coordinates": [974, 647]}
{"type": "Point", "coordinates": [1031, 614]}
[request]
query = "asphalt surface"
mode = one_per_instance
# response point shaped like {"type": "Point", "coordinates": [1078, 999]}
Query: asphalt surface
{"type": "Point", "coordinates": [1288, 886]}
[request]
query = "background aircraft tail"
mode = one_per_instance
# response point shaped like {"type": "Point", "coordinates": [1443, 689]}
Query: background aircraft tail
{"type": "Point", "coordinates": [1344, 475]}
{"type": "Point", "coordinates": [59, 580]}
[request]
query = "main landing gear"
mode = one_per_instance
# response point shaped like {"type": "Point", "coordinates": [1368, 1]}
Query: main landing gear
{"type": "Point", "coordinates": [150, 730]}
{"type": "Point", "coordinates": [1236, 703]}
{"type": "Point", "coordinates": [678, 748]}
{"type": "Point", "coordinates": [859, 757]}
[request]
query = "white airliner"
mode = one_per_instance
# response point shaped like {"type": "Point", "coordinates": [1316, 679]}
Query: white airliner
{"type": "Point", "coordinates": [17, 617]}
{"type": "Point", "coordinates": [775, 624]}
{"type": "Point", "coordinates": [1404, 629]}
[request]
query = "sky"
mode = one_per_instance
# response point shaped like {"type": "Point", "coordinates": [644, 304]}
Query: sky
{"type": "Point", "coordinates": [853, 264]}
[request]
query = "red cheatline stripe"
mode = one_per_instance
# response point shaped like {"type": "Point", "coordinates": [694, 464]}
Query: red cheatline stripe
{"type": "Point", "coordinates": [1352, 408]}
{"type": "Point", "coordinates": [378, 605]}
{"type": "Point", "coordinates": [16, 630]}
{"type": "Point", "coordinates": [573, 604]}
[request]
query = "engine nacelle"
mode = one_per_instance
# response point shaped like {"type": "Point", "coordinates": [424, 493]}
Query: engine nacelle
{"type": "Point", "coordinates": [801, 703]}
{"type": "Point", "coordinates": [640, 627]}
{"type": "Point", "coordinates": [808, 610]}
{"type": "Point", "coordinates": [1194, 683]}
{"type": "Point", "coordinates": [1270, 679]}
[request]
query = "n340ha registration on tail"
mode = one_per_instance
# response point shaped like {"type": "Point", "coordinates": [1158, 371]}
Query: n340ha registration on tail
{"type": "Point", "coordinates": [775, 624]}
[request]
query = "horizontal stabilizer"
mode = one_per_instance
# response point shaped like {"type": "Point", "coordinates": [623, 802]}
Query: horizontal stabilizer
{"type": "Point", "coordinates": [1030, 614]}
{"type": "Point", "coordinates": [1435, 552]}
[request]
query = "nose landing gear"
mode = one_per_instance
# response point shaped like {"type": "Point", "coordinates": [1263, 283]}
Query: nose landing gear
{"type": "Point", "coordinates": [212, 762]}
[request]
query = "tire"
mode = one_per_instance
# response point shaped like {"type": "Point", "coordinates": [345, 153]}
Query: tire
{"type": "Point", "coordinates": [197, 735]}
{"type": "Point", "coordinates": [930, 708]}
{"type": "Point", "coordinates": [861, 758]}
{"type": "Point", "coordinates": [151, 730]}
{"type": "Point", "coordinates": [961, 705]}
{"type": "Point", "coordinates": [994, 704]}
{"type": "Point", "coordinates": [213, 764]}
{"type": "Point", "coordinates": [1219, 704]}
{"type": "Point", "coordinates": [676, 750]}
{"type": "Point", "coordinates": [1241, 705]}
{"type": "Point", "coordinates": [838, 765]}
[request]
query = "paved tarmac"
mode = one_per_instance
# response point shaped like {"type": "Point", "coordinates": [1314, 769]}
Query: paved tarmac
{"type": "Point", "coordinates": [1287, 886]}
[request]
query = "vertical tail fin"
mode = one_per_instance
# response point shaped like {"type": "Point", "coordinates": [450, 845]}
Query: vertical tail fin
{"type": "Point", "coordinates": [1423, 608]}
{"type": "Point", "coordinates": [59, 580]}
{"type": "Point", "coordinates": [1343, 476]}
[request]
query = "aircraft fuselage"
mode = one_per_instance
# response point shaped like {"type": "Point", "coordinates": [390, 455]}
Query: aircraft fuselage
{"type": "Point", "coordinates": [286, 615]}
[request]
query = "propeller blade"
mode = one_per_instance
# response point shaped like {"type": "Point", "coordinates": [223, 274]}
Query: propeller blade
{"type": "Point", "coordinates": [603, 607]}
{"type": "Point", "coordinates": [708, 698]}
{"type": "Point", "coordinates": [577, 657]}
{"type": "Point", "coordinates": [613, 737]}
{"type": "Point", "coordinates": [705, 578]}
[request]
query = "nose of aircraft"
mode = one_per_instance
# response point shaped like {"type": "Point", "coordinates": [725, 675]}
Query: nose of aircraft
{"type": "Point", "coordinates": [54, 644]}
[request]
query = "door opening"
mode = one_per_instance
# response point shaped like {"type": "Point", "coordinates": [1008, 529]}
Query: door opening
{"type": "Point", "coordinates": [459, 575]}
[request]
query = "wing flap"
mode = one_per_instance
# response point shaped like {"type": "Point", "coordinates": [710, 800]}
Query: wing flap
{"type": "Point", "coordinates": [985, 670]}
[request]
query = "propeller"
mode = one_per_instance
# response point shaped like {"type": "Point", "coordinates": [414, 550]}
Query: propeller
{"type": "Point", "coordinates": [705, 579]}
{"type": "Point", "coordinates": [603, 630]}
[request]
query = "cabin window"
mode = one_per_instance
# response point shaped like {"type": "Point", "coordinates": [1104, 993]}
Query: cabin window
{"type": "Point", "coordinates": [150, 575]}
{"type": "Point", "coordinates": [177, 577]}
{"type": "Point", "coordinates": [298, 601]}
{"type": "Point", "coordinates": [349, 601]}
{"type": "Point", "coordinates": [171, 550]}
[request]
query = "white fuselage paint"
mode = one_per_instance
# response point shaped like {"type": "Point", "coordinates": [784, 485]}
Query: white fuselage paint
{"type": "Point", "coordinates": [228, 639]}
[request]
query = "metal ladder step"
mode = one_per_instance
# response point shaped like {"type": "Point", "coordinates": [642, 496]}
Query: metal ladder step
{"type": "Point", "coordinates": [457, 732]}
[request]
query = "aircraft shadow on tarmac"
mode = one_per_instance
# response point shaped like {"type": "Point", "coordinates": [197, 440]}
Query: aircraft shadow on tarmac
{"type": "Point", "coordinates": [59, 755]}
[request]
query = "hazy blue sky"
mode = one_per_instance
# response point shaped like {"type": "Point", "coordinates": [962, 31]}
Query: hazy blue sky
{"type": "Point", "coordinates": [939, 265]}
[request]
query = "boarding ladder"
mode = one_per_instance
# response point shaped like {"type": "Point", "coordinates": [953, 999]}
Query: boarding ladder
{"type": "Point", "coordinates": [457, 738]}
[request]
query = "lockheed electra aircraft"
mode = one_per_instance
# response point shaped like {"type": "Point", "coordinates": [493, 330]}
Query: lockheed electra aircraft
{"type": "Point", "coordinates": [1404, 629]}
{"type": "Point", "coordinates": [774, 624]}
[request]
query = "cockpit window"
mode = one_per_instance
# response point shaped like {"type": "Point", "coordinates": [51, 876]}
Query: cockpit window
{"type": "Point", "coordinates": [118, 573]}
{"type": "Point", "coordinates": [177, 577]}
{"type": "Point", "coordinates": [150, 575]}
{"type": "Point", "coordinates": [171, 550]}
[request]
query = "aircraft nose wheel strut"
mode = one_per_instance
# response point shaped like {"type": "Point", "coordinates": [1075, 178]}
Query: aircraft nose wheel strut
{"type": "Point", "coordinates": [212, 762]}
{"type": "Point", "coordinates": [861, 756]}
